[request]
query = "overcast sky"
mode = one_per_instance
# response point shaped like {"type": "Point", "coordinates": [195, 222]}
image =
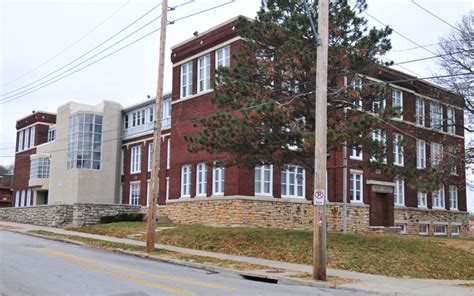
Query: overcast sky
{"type": "Point", "coordinates": [38, 37]}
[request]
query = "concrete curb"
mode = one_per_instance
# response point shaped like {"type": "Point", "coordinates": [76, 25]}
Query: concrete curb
{"type": "Point", "coordinates": [280, 280]}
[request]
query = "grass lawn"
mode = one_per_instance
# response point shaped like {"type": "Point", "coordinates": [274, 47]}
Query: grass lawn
{"type": "Point", "coordinates": [417, 257]}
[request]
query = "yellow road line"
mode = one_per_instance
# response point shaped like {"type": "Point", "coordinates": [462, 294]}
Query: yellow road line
{"type": "Point", "coordinates": [137, 280]}
{"type": "Point", "coordinates": [154, 275]}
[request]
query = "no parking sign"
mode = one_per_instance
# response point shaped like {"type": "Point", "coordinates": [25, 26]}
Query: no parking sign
{"type": "Point", "coordinates": [319, 197]}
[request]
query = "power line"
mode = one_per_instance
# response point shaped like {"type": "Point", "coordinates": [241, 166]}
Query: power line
{"type": "Point", "coordinates": [70, 45]}
{"type": "Point", "coordinates": [81, 56]}
{"type": "Point", "coordinates": [439, 18]}
{"type": "Point", "coordinates": [35, 88]}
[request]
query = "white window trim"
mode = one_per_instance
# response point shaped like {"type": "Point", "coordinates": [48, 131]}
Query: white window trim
{"type": "Point", "coordinates": [401, 103]}
{"type": "Point", "coordinates": [439, 153]}
{"type": "Point", "coordinates": [150, 157]}
{"type": "Point", "coordinates": [422, 116]}
{"type": "Point", "coordinates": [451, 122]}
{"type": "Point", "coordinates": [221, 181]}
{"type": "Point", "coordinates": [189, 79]}
{"type": "Point", "coordinates": [351, 156]}
{"type": "Point", "coordinates": [403, 227]}
{"type": "Point", "coordinates": [223, 50]}
{"type": "Point", "coordinates": [442, 199]}
{"type": "Point", "coordinates": [420, 162]}
{"type": "Point", "coordinates": [361, 173]}
{"type": "Point", "coordinates": [262, 180]}
{"type": "Point", "coordinates": [453, 192]}
{"type": "Point", "coordinates": [168, 153]}
{"type": "Point", "coordinates": [133, 169]}
{"type": "Point", "coordinates": [204, 181]}
{"type": "Point", "coordinates": [395, 193]}
{"type": "Point", "coordinates": [288, 195]}
{"type": "Point", "coordinates": [131, 192]}
{"type": "Point", "coordinates": [455, 233]}
{"type": "Point", "coordinates": [148, 184]}
{"type": "Point", "coordinates": [206, 59]}
{"type": "Point", "coordinates": [186, 170]}
{"type": "Point", "coordinates": [424, 232]}
{"type": "Point", "coordinates": [425, 206]}
{"type": "Point", "coordinates": [398, 153]}
{"type": "Point", "coordinates": [440, 233]}
{"type": "Point", "coordinates": [17, 198]}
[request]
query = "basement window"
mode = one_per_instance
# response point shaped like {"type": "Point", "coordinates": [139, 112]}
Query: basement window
{"type": "Point", "coordinates": [439, 230]}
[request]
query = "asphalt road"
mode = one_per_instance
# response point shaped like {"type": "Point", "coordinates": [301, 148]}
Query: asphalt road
{"type": "Point", "coordinates": [35, 266]}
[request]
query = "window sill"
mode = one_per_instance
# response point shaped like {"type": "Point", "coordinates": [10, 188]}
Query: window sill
{"type": "Point", "coordinates": [454, 209]}
{"type": "Point", "coordinates": [355, 158]}
{"type": "Point", "coordinates": [182, 99]}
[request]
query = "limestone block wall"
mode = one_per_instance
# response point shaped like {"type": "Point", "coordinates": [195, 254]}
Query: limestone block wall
{"type": "Point", "coordinates": [414, 217]}
{"type": "Point", "coordinates": [74, 215]}
{"type": "Point", "coordinates": [261, 212]}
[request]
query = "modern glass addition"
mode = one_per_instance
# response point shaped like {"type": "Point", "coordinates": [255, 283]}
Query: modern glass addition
{"type": "Point", "coordinates": [85, 141]}
{"type": "Point", "coordinates": [40, 168]}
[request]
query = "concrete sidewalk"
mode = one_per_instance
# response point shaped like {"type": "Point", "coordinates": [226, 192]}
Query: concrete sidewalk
{"type": "Point", "coordinates": [366, 282]}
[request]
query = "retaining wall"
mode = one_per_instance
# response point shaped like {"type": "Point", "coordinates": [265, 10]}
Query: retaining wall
{"type": "Point", "coordinates": [74, 215]}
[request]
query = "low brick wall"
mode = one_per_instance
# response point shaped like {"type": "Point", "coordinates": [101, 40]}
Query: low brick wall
{"type": "Point", "coordinates": [261, 212]}
{"type": "Point", "coordinates": [293, 214]}
{"type": "Point", "coordinates": [414, 217]}
{"type": "Point", "coordinates": [75, 215]}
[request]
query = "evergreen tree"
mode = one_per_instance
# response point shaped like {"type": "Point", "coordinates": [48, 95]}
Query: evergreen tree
{"type": "Point", "coordinates": [268, 101]}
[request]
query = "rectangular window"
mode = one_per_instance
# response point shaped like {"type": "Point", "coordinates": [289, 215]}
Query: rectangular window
{"type": "Point", "coordinates": [186, 79]}
{"type": "Point", "coordinates": [51, 134]}
{"type": "Point", "coordinates": [263, 180]}
{"type": "Point", "coordinates": [355, 153]}
{"type": "Point", "coordinates": [379, 136]}
{"type": "Point", "coordinates": [167, 188]}
{"type": "Point", "coordinates": [23, 198]}
{"type": "Point", "coordinates": [436, 116]}
{"type": "Point", "coordinates": [32, 136]}
{"type": "Point", "coordinates": [223, 57]}
{"type": "Point", "coordinates": [420, 154]}
{"type": "Point", "coordinates": [424, 229]}
{"type": "Point", "coordinates": [136, 156]}
{"type": "Point", "coordinates": [17, 198]}
{"type": "Point", "coordinates": [134, 193]}
{"type": "Point", "coordinates": [40, 167]}
{"type": "Point", "coordinates": [168, 153]}
{"type": "Point", "coordinates": [403, 228]}
{"type": "Point", "coordinates": [398, 158]}
{"type": "Point", "coordinates": [201, 179]}
{"type": "Point", "coordinates": [20, 141]}
{"type": "Point", "coordinates": [399, 193]}
{"type": "Point", "coordinates": [150, 156]}
{"type": "Point", "coordinates": [453, 197]}
{"type": "Point", "coordinates": [186, 180]}
{"type": "Point", "coordinates": [420, 112]}
{"type": "Point", "coordinates": [397, 102]}
{"type": "Point", "coordinates": [166, 114]}
{"type": "Point", "coordinates": [217, 180]}
{"type": "Point", "coordinates": [422, 199]}
{"type": "Point", "coordinates": [455, 230]}
{"type": "Point", "coordinates": [293, 182]}
{"type": "Point", "coordinates": [126, 121]}
{"type": "Point", "coordinates": [438, 198]}
{"type": "Point", "coordinates": [204, 73]}
{"type": "Point", "coordinates": [378, 104]}
{"type": "Point", "coordinates": [451, 120]}
{"type": "Point", "coordinates": [356, 86]}
{"type": "Point", "coordinates": [439, 229]}
{"type": "Point", "coordinates": [451, 155]}
{"type": "Point", "coordinates": [355, 189]}
{"type": "Point", "coordinates": [28, 197]}
{"type": "Point", "coordinates": [26, 141]}
{"type": "Point", "coordinates": [122, 161]}
{"type": "Point", "coordinates": [436, 154]}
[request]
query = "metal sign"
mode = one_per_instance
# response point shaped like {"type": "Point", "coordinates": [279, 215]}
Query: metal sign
{"type": "Point", "coordinates": [319, 197]}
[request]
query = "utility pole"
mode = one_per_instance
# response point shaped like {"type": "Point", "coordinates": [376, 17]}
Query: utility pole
{"type": "Point", "coordinates": [320, 149]}
{"type": "Point", "coordinates": [344, 187]}
{"type": "Point", "coordinates": [155, 170]}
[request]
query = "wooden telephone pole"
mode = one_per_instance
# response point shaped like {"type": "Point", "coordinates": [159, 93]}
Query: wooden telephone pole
{"type": "Point", "coordinates": [155, 188]}
{"type": "Point", "coordinates": [320, 149]}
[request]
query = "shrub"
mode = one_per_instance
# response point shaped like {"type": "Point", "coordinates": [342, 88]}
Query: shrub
{"type": "Point", "coordinates": [122, 217]}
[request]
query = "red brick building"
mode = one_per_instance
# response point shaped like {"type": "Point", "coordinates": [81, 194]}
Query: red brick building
{"type": "Point", "coordinates": [195, 188]}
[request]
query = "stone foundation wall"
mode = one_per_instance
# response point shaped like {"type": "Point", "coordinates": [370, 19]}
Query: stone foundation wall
{"type": "Point", "coordinates": [295, 214]}
{"type": "Point", "coordinates": [261, 212]}
{"type": "Point", "coordinates": [75, 215]}
{"type": "Point", "coordinates": [412, 218]}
